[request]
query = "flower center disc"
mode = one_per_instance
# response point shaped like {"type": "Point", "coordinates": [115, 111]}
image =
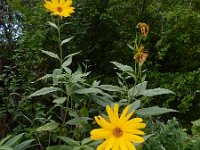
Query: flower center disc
{"type": "Point", "coordinates": [59, 9]}
{"type": "Point", "coordinates": [117, 132]}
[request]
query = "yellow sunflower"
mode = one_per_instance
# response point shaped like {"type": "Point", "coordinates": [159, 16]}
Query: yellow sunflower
{"type": "Point", "coordinates": [119, 133]}
{"type": "Point", "coordinates": [61, 8]}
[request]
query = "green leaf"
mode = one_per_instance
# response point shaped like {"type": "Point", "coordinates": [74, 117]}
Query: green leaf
{"type": "Point", "coordinates": [14, 139]}
{"type": "Point", "coordinates": [5, 148]}
{"type": "Point", "coordinates": [78, 121]}
{"type": "Point", "coordinates": [110, 88]}
{"type": "Point", "coordinates": [155, 92]}
{"type": "Point", "coordinates": [69, 141]}
{"type": "Point", "coordinates": [95, 143]}
{"type": "Point", "coordinates": [78, 77]}
{"type": "Point", "coordinates": [48, 127]}
{"type": "Point", "coordinates": [101, 101]}
{"type": "Point", "coordinates": [70, 55]}
{"type": "Point", "coordinates": [66, 40]}
{"type": "Point", "coordinates": [76, 147]}
{"type": "Point", "coordinates": [86, 147]}
{"type": "Point", "coordinates": [155, 110]}
{"type": "Point", "coordinates": [59, 100]}
{"type": "Point", "coordinates": [140, 88]}
{"type": "Point", "coordinates": [135, 105]}
{"type": "Point", "coordinates": [196, 122]}
{"type": "Point", "coordinates": [47, 76]}
{"type": "Point", "coordinates": [131, 47]}
{"type": "Point", "coordinates": [122, 67]}
{"type": "Point", "coordinates": [86, 140]}
{"type": "Point", "coordinates": [67, 62]}
{"type": "Point", "coordinates": [67, 70]}
{"type": "Point", "coordinates": [56, 76]}
{"type": "Point", "coordinates": [84, 112]}
{"type": "Point", "coordinates": [88, 90]}
{"type": "Point", "coordinates": [5, 139]}
{"type": "Point", "coordinates": [53, 25]}
{"type": "Point", "coordinates": [44, 91]}
{"type": "Point", "coordinates": [23, 145]}
{"type": "Point", "coordinates": [51, 54]}
{"type": "Point", "coordinates": [60, 147]}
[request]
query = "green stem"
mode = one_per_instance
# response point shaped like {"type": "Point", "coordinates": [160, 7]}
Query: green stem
{"type": "Point", "coordinates": [60, 46]}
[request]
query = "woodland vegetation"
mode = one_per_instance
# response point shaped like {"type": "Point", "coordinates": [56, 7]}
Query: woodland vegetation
{"type": "Point", "coordinates": [58, 72]}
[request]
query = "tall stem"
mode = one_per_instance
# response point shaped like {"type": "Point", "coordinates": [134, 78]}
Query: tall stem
{"type": "Point", "coordinates": [60, 46]}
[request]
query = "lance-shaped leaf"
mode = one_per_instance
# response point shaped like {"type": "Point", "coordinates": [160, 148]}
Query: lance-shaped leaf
{"type": "Point", "coordinates": [23, 145]}
{"type": "Point", "coordinates": [53, 25]}
{"type": "Point", "coordinates": [88, 90]}
{"type": "Point", "coordinates": [135, 105]}
{"type": "Point", "coordinates": [155, 92]}
{"type": "Point", "coordinates": [44, 91]}
{"type": "Point", "coordinates": [110, 88]}
{"type": "Point", "coordinates": [131, 47]}
{"type": "Point", "coordinates": [60, 147]}
{"type": "Point", "coordinates": [70, 55]}
{"type": "Point", "coordinates": [155, 110]}
{"type": "Point", "coordinates": [66, 40]}
{"type": "Point", "coordinates": [59, 100]}
{"type": "Point", "coordinates": [122, 67]}
{"type": "Point", "coordinates": [67, 62]}
{"type": "Point", "coordinates": [51, 54]}
{"type": "Point", "coordinates": [78, 121]}
{"type": "Point", "coordinates": [13, 140]}
{"type": "Point", "coordinates": [48, 127]}
{"type": "Point", "coordinates": [69, 141]}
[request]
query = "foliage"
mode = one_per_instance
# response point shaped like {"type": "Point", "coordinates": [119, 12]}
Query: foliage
{"type": "Point", "coordinates": [170, 136]}
{"type": "Point", "coordinates": [185, 85]}
{"type": "Point", "coordinates": [59, 113]}
{"type": "Point", "coordinates": [12, 143]}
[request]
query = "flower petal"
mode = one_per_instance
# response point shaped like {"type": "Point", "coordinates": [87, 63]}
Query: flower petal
{"type": "Point", "coordinates": [122, 120]}
{"type": "Point", "coordinates": [116, 145]}
{"type": "Point", "coordinates": [133, 131]}
{"type": "Point", "coordinates": [130, 145]}
{"type": "Point", "coordinates": [133, 138]}
{"type": "Point", "coordinates": [48, 5]}
{"type": "Point", "coordinates": [112, 114]}
{"type": "Point", "coordinates": [98, 134]}
{"type": "Point", "coordinates": [68, 11]}
{"type": "Point", "coordinates": [122, 144]}
{"type": "Point", "coordinates": [110, 141]}
{"type": "Point", "coordinates": [135, 125]}
{"type": "Point", "coordinates": [103, 123]}
{"type": "Point", "coordinates": [68, 3]}
{"type": "Point", "coordinates": [55, 2]}
{"type": "Point", "coordinates": [102, 146]}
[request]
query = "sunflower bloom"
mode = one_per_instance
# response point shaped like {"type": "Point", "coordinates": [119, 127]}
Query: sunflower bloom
{"type": "Point", "coordinates": [144, 28]}
{"type": "Point", "coordinates": [118, 133]}
{"type": "Point", "coordinates": [61, 8]}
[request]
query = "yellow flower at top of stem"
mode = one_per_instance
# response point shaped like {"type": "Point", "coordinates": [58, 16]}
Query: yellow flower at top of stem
{"type": "Point", "coordinates": [118, 132]}
{"type": "Point", "coordinates": [144, 28]}
{"type": "Point", "coordinates": [61, 8]}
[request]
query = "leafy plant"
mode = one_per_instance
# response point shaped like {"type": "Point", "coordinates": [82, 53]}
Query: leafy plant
{"type": "Point", "coordinates": [12, 143]}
